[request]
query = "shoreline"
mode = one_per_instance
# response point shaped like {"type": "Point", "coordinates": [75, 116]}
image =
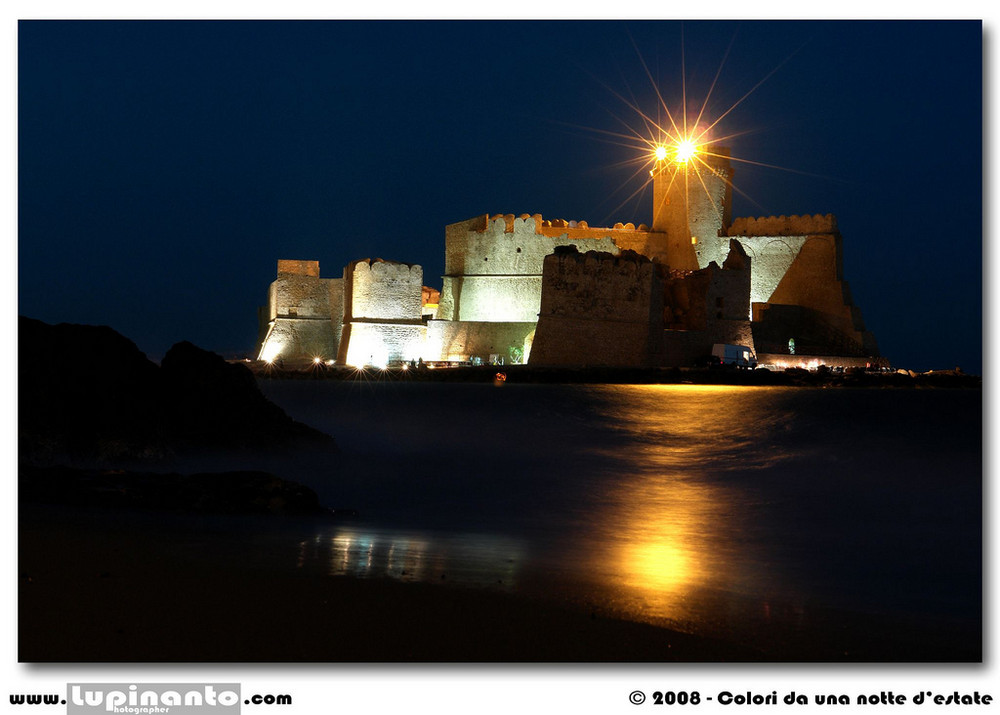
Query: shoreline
{"type": "Point", "coordinates": [528, 374]}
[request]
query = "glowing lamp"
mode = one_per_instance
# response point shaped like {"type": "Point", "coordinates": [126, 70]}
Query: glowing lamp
{"type": "Point", "coordinates": [660, 153]}
{"type": "Point", "coordinates": [269, 353]}
{"type": "Point", "coordinates": [684, 150]}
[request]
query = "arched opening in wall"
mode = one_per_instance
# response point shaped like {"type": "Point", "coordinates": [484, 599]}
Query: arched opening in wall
{"type": "Point", "coordinates": [775, 246]}
{"type": "Point", "coordinates": [819, 239]}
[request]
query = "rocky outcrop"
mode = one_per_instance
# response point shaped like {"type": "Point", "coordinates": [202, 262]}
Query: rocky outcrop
{"type": "Point", "coordinates": [88, 394]}
{"type": "Point", "coordinates": [212, 403]}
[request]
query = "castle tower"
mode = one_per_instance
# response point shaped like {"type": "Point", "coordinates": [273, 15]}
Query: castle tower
{"type": "Point", "coordinates": [692, 204]}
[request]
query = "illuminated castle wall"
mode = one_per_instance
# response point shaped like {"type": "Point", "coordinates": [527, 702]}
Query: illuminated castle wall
{"type": "Point", "coordinates": [627, 310]}
{"type": "Point", "coordinates": [492, 285]}
{"type": "Point", "coordinates": [372, 315]}
{"type": "Point", "coordinates": [297, 318]}
{"type": "Point", "coordinates": [599, 309]}
{"type": "Point", "coordinates": [493, 266]}
{"type": "Point", "coordinates": [382, 313]}
{"type": "Point", "coordinates": [514, 290]}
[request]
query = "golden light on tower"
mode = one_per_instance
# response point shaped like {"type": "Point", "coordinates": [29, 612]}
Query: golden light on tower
{"type": "Point", "coordinates": [686, 137]}
{"type": "Point", "coordinates": [684, 150]}
{"type": "Point", "coordinates": [680, 150]}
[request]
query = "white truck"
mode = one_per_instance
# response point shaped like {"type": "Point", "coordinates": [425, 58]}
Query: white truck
{"type": "Point", "coordinates": [738, 355]}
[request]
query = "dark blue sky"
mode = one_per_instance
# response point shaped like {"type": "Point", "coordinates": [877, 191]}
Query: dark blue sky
{"type": "Point", "coordinates": [164, 167]}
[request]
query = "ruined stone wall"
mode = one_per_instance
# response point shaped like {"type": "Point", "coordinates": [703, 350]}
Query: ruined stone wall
{"type": "Point", "coordinates": [464, 340]}
{"type": "Point", "coordinates": [685, 300]}
{"type": "Point", "coordinates": [599, 309]}
{"type": "Point", "coordinates": [729, 292]}
{"type": "Point", "coordinates": [599, 286]}
{"type": "Point", "coordinates": [706, 307]}
{"type": "Point", "coordinates": [693, 299]}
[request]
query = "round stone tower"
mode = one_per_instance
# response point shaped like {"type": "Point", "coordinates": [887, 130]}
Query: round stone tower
{"type": "Point", "coordinates": [692, 202]}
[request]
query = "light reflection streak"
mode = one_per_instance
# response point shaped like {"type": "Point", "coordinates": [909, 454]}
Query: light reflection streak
{"type": "Point", "coordinates": [470, 559]}
{"type": "Point", "coordinates": [673, 538]}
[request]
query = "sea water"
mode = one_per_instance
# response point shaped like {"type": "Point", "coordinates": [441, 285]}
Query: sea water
{"type": "Point", "coordinates": [708, 508]}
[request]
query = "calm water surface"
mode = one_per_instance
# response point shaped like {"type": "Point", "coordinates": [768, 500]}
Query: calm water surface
{"type": "Point", "coordinates": [714, 509]}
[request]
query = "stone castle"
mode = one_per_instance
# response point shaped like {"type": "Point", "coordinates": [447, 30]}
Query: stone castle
{"type": "Point", "coordinates": [520, 289]}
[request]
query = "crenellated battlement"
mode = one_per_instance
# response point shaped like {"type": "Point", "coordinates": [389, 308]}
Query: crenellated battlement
{"type": "Point", "coordinates": [598, 286]}
{"type": "Point", "coordinates": [783, 225]}
{"type": "Point", "coordinates": [382, 268]}
{"type": "Point", "coordinates": [383, 290]}
{"type": "Point", "coordinates": [534, 223]}
{"type": "Point", "coordinates": [525, 223]}
{"type": "Point", "coordinates": [626, 260]}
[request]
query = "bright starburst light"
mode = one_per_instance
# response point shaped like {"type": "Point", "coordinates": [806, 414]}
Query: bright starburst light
{"type": "Point", "coordinates": [685, 149]}
{"type": "Point", "coordinates": [679, 141]}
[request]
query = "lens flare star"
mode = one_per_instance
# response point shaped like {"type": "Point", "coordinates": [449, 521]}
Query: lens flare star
{"type": "Point", "coordinates": [676, 139]}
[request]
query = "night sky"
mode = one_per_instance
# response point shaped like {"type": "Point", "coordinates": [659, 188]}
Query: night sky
{"type": "Point", "coordinates": [165, 167]}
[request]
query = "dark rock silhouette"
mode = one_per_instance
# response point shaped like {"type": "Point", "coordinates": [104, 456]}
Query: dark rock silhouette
{"type": "Point", "coordinates": [88, 394]}
{"type": "Point", "coordinates": [213, 402]}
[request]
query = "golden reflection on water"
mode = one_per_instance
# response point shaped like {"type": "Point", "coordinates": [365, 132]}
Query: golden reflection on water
{"type": "Point", "coordinates": [659, 534]}
{"type": "Point", "coordinates": [668, 548]}
{"type": "Point", "coordinates": [673, 536]}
